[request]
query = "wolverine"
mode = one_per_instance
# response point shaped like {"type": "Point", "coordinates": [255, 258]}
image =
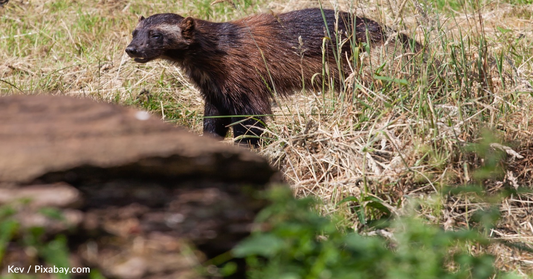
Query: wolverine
{"type": "Point", "coordinates": [238, 65]}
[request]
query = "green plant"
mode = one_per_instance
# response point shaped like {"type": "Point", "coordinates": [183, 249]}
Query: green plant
{"type": "Point", "coordinates": [299, 243]}
{"type": "Point", "coordinates": [42, 250]}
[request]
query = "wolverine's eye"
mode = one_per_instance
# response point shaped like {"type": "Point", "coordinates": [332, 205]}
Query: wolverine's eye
{"type": "Point", "coordinates": [156, 36]}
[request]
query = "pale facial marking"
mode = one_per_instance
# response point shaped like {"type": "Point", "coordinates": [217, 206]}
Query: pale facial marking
{"type": "Point", "coordinates": [171, 31]}
{"type": "Point", "coordinates": [169, 28]}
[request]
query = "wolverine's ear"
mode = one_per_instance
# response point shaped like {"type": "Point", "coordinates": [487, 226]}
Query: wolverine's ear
{"type": "Point", "coordinates": [187, 27]}
{"type": "Point", "coordinates": [141, 18]}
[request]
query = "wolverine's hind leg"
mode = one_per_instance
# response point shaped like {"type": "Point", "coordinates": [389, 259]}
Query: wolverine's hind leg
{"type": "Point", "coordinates": [216, 120]}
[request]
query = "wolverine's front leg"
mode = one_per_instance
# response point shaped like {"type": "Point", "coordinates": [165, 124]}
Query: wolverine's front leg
{"type": "Point", "coordinates": [248, 130]}
{"type": "Point", "coordinates": [216, 122]}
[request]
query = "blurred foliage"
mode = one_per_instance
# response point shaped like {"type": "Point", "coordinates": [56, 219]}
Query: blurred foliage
{"type": "Point", "coordinates": [297, 242]}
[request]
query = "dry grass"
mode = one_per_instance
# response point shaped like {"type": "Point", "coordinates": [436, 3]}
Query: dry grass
{"type": "Point", "coordinates": [413, 142]}
{"type": "Point", "coordinates": [399, 136]}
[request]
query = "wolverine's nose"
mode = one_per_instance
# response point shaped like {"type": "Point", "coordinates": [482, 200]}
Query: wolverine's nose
{"type": "Point", "coordinates": [131, 51]}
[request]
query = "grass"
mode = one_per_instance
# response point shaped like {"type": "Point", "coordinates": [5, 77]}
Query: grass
{"type": "Point", "coordinates": [403, 130]}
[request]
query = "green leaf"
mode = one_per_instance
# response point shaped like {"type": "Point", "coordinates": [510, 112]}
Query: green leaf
{"type": "Point", "coordinates": [503, 30]}
{"type": "Point", "coordinates": [378, 206]}
{"type": "Point", "coordinates": [348, 199]}
{"type": "Point", "coordinates": [7, 229]}
{"type": "Point", "coordinates": [262, 245]}
{"type": "Point", "coordinates": [52, 213]}
{"type": "Point", "coordinates": [390, 79]}
{"type": "Point", "coordinates": [228, 269]}
{"type": "Point", "coordinates": [56, 253]}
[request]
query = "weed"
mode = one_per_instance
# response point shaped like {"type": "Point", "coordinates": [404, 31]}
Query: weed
{"type": "Point", "coordinates": [299, 243]}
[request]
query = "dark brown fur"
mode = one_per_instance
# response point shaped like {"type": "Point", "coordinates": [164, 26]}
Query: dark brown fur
{"type": "Point", "coordinates": [238, 65]}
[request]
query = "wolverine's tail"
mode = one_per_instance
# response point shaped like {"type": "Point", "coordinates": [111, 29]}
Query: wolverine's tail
{"type": "Point", "coordinates": [408, 43]}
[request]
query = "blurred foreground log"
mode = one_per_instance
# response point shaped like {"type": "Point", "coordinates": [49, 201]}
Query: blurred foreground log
{"type": "Point", "coordinates": [133, 193]}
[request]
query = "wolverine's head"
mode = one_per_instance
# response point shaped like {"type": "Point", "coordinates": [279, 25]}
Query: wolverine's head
{"type": "Point", "coordinates": [156, 35]}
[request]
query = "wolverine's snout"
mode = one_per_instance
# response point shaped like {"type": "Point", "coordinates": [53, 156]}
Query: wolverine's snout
{"type": "Point", "coordinates": [132, 51]}
{"type": "Point", "coordinates": [137, 55]}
